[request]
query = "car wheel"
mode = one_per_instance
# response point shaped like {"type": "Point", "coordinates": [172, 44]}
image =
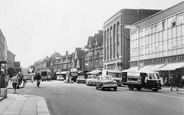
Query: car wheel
{"type": "Point", "coordinates": [115, 89]}
{"type": "Point", "coordinates": [154, 90]}
{"type": "Point", "coordinates": [96, 87]}
{"type": "Point", "coordinates": [131, 87]}
{"type": "Point", "coordinates": [102, 88]}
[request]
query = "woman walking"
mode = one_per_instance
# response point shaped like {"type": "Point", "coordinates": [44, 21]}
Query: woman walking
{"type": "Point", "coordinates": [14, 81]}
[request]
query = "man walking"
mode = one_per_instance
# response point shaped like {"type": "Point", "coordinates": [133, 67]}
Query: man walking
{"type": "Point", "coordinates": [14, 81]}
{"type": "Point", "coordinates": [38, 78]}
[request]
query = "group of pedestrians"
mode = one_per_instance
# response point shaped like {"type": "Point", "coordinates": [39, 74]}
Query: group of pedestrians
{"type": "Point", "coordinates": [17, 80]}
{"type": "Point", "coordinates": [173, 81]}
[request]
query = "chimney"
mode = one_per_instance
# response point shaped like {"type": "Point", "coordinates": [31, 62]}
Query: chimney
{"type": "Point", "coordinates": [66, 53]}
{"type": "Point", "coordinates": [100, 31]}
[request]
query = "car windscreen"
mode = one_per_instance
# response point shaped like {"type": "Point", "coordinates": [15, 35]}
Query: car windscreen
{"type": "Point", "coordinates": [106, 78]}
{"type": "Point", "coordinates": [43, 73]}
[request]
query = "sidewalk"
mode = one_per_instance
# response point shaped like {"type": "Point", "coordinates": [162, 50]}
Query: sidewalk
{"type": "Point", "coordinates": [180, 90]}
{"type": "Point", "coordinates": [16, 104]}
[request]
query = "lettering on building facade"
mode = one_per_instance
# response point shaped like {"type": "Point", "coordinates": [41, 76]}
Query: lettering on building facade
{"type": "Point", "coordinates": [172, 59]}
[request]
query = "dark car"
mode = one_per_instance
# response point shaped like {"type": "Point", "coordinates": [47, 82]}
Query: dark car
{"type": "Point", "coordinates": [81, 79]}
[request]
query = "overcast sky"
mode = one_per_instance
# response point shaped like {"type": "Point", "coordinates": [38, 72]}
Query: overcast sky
{"type": "Point", "coordinates": [35, 29]}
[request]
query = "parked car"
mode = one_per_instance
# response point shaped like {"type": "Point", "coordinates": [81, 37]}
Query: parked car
{"type": "Point", "coordinates": [81, 79]}
{"type": "Point", "coordinates": [91, 80]}
{"type": "Point", "coordinates": [59, 76]}
{"type": "Point", "coordinates": [106, 81]}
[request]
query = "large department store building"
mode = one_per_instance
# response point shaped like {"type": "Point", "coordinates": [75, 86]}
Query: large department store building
{"type": "Point", "coordinates": [116, 39]}
{"type": "Point", "coordinates": [157, 42]}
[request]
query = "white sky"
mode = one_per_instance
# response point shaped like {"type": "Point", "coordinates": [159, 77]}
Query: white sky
{"type": "Point", "coordinates": [35, 29]}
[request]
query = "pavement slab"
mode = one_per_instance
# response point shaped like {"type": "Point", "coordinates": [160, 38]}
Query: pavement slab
{"type": "Point", "coordinates": [16, 104]}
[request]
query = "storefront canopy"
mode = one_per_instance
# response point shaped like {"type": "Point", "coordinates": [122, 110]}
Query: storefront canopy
{"type": "Point", "coordinates": [146, 67]}
{"type": "Point", "coordinates": [172, 66]}
{"type": "Point", "coordinates": [94, 72]}
{"type": "Point", "coordinates": [156, 67]}
{"type": "Point", "coordinates": [64, 72]}
{"type": "Point", "coordinates": [131, 69]}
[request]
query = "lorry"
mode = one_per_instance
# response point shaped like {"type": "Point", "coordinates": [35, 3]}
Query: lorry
{"type": "Point", "coordinates": [45, 75]}
{"type": "Point", "coordinates": [141, 79]}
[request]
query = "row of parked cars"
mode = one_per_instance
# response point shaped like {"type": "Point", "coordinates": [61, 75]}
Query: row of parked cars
{"type": "Point", "coordinates": [101, 82]}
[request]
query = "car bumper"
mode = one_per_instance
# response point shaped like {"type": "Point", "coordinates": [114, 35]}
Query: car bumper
{"type": "Point", "coordinates": [109, 86]}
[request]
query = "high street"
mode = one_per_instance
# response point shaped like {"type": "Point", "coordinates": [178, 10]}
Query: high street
{"type": "Point", "coordinates": [79, 99]}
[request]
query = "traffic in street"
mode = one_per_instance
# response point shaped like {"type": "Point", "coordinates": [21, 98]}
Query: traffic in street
{"type": "Point", "coordinates": [80, 99]}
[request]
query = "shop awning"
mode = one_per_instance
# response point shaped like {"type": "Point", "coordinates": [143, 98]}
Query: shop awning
{"type": "Point", "coordinates": [156, 67]}
{"type": "Point", "coordinates": [64, 72]}
{"type": "Point", "coordinates": [146, 67]}
{"type": "Point", "coordinates": [114, 71]}
{"type": "Point", "coordinates": [172, 66]}
{"type": "Point", "coordinates": [131, 69]}
{"type": "Point", "coordinates": [94, 72]}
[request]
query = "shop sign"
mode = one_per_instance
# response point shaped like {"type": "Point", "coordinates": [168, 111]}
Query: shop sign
{"type": "Point", "coordinates": [172, 59]}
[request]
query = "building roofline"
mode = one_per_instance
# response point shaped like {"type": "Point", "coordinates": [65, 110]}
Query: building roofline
{"type": "Point", "coordinates": [157, 13]}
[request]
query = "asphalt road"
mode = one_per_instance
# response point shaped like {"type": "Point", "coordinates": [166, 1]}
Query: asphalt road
{"type": "Point", "coordinates": [79, 99]}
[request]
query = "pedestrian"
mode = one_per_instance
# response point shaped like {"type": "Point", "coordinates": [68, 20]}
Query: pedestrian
{"type": "Point", "coordinates": [162, 80]}
{"type": "Point", "coordinates": [38, 79]}
{"type": "Point", "coordinates": [19, 81]}
{"type": "Point", "coordinates": [24, 80]}
{"type": "Point", "coordinates": [171, 82]}
{"type": "Point", "coordinates": [177, 82]}
{"type": "Point", "coordinates": [14, 81]}
{"type": "Point", "coordinates": [32, 78]}
{"type": "Point", "coordinates": [182, 81]}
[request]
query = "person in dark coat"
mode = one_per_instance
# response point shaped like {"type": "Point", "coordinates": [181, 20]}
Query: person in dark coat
{"type": "Point", "coordinates": [177, 82]}
{"type": "Point", "coordinates": [171, 82]}
{"type": "Point", "coordinates": [174, 82]}
{"type": "Point", "coordinates": [38, 79]}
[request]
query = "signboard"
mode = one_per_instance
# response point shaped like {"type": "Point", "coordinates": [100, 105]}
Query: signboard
{"type": "Point", "coordinates": [130, 27]}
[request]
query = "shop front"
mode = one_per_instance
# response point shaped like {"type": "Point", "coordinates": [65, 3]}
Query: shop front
{"type": "Point", "coordinates": [166, 66]}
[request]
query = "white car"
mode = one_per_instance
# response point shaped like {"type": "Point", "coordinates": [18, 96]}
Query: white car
{"type": "Point", "coordinates": [60, 77]}
{"type": "Point", "coordinates": [106, 82]}
{"type": "Point", "coordinates": [91, 80]}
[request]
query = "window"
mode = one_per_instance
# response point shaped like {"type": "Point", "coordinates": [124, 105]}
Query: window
{"type": "Point", "coordinates": [178, 31]}
{"type": "Point", "coordinates": [174, 32]}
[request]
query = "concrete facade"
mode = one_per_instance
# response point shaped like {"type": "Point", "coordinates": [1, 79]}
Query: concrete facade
{"type": "Point", "coordinates": [116, 42]}
{"type": "Point", "coordinates": [159, 42]}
